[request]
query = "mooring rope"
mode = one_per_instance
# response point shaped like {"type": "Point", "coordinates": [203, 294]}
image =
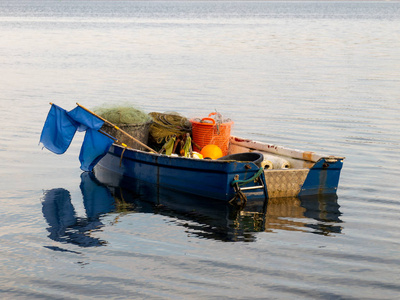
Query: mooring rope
{"type": "Point", "coordinates": [246, 181]}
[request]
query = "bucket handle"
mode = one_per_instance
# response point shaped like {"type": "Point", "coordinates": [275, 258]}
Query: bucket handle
{"type": "Point", "coordinates": [208, 119]}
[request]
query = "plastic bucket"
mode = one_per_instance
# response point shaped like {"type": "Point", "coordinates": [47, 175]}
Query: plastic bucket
{"type": "Point", "coordinates": [207, 132]}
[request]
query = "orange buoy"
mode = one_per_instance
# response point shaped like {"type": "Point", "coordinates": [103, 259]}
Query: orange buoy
{"type": "Point", "coordinates": [211, 151]}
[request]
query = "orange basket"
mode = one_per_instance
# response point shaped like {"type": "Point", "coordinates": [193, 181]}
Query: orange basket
{"type": "Point", "coordinates": [205, 133]}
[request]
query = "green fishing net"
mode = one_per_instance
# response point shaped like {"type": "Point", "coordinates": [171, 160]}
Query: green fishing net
{"type": "Point", "coordinates": [122, 114]}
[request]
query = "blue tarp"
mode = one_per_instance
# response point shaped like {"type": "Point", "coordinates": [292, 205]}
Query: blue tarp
{"type": "Point", "coordinates": [59, 130]}
{"type": "Point", "coordinates": [85, 119]}
{"type": "Point", "coordinates": [94, 147]}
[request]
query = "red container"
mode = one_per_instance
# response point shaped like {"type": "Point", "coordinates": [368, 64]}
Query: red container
{"type": "Point", "coordinates": [208, 132]}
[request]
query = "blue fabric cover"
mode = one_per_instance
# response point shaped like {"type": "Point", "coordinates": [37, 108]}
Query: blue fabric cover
{"type": "Point", "coordinates": [85, 119]}
{"type": "Point", "coordinates": [94, 147]}
{"type": "Point", "coordinates": [58, 130]}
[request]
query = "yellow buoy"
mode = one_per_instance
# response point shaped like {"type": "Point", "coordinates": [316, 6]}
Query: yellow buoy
{"type": "Point", "coordinates": [211, 151]}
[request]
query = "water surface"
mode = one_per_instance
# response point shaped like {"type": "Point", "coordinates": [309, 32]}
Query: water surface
{"type": "Point", "coordinates": [317, 76]}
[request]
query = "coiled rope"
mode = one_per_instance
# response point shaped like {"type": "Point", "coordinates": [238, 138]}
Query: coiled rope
{"type": "Point", "coordinates": [165, 125]}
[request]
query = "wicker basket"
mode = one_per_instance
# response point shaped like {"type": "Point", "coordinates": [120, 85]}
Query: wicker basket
{"type": "Point", "coordinates": [207, 132]}
{"type": "Point", "coordinates": [138, 131]}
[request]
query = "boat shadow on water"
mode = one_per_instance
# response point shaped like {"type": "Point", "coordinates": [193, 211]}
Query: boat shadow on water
{"type": "Point", "coordinates": [203, 218]}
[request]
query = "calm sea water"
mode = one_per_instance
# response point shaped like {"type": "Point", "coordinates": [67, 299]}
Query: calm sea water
{"type": "Point", "coordinates": [318, 76]}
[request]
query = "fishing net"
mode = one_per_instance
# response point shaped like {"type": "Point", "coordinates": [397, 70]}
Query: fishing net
{"type": "Point", "coordinates": [165, 125]}
{"type": "Point", "coordinates": [131, 120]}
{"type": "Point", "coordinates": [122, 114]}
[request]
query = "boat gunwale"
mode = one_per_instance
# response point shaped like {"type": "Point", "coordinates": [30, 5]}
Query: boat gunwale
{"type": "Point", "coordinates": [168, 160]}
{"type": "Point", "coordinates": [282, 150]}
{"type": "Point", "coordinates": [252, 146]}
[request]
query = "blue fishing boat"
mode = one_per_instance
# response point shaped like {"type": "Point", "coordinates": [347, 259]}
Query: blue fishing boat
{"type": "Point", "coordinates": [250, 170]}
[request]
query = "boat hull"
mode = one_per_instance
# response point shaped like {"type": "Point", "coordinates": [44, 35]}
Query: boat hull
{"type": "Point", "coordinates": [207, 178]}
{"type": "Point", "coordinates": [315, 175]}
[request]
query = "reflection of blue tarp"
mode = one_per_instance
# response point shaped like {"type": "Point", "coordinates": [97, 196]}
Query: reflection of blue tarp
{"type": "Point", "coordinates": [65, 226]}
{"type": "Point", "coordinates": [58, 212]}
{"type": "Point", "coordinates": [59, 130]}
{"type": "Point", "coordinates": [97, 199]}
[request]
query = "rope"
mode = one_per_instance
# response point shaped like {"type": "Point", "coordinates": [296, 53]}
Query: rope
{"type": "Point", "coordinates": [122, 154]}
{"type": "Point", "coordinates": [167, 124]}
{"type": "Point", "coordinates": [240, 198]}
{"type": "Point", "coordinates": [244, 182]}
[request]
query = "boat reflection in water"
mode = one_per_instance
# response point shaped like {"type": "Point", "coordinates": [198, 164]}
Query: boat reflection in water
{"type": "Point", "coordinates": [314, 214]}
{"type": "Point", "coordinates": [64, 224]}
{"type": "Point", "coordinates": [203, 218]}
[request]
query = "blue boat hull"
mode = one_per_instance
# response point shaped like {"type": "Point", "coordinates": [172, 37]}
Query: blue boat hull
{"type": "Point", "coordinates": [323, 178]}
{"type": "Point", "coordinates": [207, 178]}
{"type": "Point", "coordinates": [214, 178]}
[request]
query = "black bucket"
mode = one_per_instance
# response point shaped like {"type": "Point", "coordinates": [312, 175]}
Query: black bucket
{"type": "Point", "coordinates": [253, 157]}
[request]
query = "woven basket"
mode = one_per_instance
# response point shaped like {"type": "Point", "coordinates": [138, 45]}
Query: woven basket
{"type": "Point", "coordinates": [208, 132]}
{"type": "Point", "coordinates": [138, 131]}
